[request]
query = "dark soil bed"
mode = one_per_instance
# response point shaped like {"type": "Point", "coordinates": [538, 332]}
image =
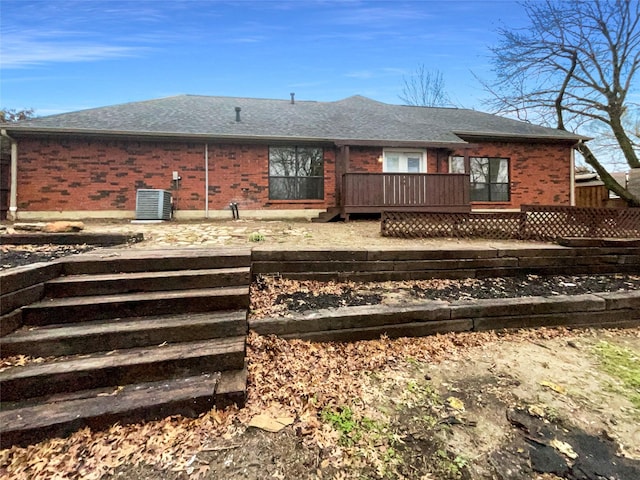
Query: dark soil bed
{"type": "Point", "coordinates": [302, 301]}
{"type": "Point", "coordinates": [525, 286]}
{"type": "Point", "coordinates": [19, 255]}
{"type": "Point", "coordinates": [287, 295]}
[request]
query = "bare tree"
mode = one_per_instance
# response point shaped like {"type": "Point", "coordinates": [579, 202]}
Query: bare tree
{"type": "Point", "coordinates": [8, 115]}
{"type": "Point", "coordinates": [574, 66]}
{"type": "Point", "coordinates": [424, 89]}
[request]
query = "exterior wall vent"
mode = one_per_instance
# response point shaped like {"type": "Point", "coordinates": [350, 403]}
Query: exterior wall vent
{"type": "Point", "coordinates": [153, 204]}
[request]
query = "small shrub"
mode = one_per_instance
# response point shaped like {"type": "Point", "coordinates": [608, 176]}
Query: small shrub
{"type": "Point", "coordinates": [256, 237]}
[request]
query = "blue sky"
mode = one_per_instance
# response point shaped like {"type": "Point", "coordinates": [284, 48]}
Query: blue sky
{"type": "Point", "coordinates": [65, 55]}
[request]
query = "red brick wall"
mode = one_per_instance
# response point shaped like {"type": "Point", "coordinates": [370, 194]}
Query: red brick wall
{"type": "Point", "coordinates": [539, 173]}
{"type": "Point", "coordinates": [94, 175]}
{"type": "Point", "coordinates": [240, 173]}
{"type": "Point", "coordinates": [364, 159]}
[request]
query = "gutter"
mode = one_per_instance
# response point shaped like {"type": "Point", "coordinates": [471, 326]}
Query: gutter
{"type": "Point", "coordinates": [140, 135]}
{"type": "Point", "coordinates": [567, 137]}
{"type": "Point", "coordinates": [206, 180]}
{"type": "Point", "coordinates": [12, 214]}
{"type": "Point", "coordinates": [572, 176]}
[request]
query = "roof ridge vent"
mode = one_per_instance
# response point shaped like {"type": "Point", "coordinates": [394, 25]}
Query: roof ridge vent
{"type": "Point", "coordinates": [238, 114]}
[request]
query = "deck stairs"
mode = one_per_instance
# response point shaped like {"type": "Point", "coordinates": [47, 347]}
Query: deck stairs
{"type": "Point", "coordinates": [332, 213]}
{"type": "Point", "coordinates": [128, 337]}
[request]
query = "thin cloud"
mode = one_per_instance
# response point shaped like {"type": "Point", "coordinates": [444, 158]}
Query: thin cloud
{"type": "Point", "coordinates": [377, 73]}
{"type": "Point", "coordinates": [307, 84]}
{"type": "Point", "coordinates": [379, 15]}
{"type": "Point", "coordinates": [24, 50]}
{"type": "Point", "coordinates": [247, 39]}
{"type": "Point", "coordinates": [362, 74]}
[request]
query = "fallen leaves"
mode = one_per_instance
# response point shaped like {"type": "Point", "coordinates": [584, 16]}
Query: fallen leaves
{"type": "Point", "coordinates": [564, 448]}
{"type": "Point", "coordinates": [167, 444]}
{"type": "Point", "coordinates": [554, 386]}
{"type": "Point", "coordinates": [270, 424]}
{"type": "Point", "coordinates": [287, 378]}
{"type": "Point", "coordinates": [20, 361]}
{"type": "Point", "coordinates": [455, 403]}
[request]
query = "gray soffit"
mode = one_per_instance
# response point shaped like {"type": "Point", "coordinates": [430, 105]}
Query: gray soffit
{"type": "Point", "coordinates": [355, 120]}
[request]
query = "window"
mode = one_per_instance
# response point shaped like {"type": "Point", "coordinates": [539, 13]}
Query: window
{"type": "Point", "coordinates": [456, 164]}
{"type": "Point", "coordinates": [296, 173]}
{"type": "Point", "coordinates": [489, 179]}
{"type": "Point", "coordinates": [404, 162]}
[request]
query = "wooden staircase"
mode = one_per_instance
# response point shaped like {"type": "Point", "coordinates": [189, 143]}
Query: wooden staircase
{"type": "Point", "coordinates": [126, 338]}
{"type": "Point", "coordinates": [332, 213]}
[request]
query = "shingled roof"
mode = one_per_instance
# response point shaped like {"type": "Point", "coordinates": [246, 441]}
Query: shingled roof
{"type": "Point", "coordinates": [354, 120]}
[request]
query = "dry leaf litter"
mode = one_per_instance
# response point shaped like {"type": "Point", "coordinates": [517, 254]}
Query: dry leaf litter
{"type": "Point", "coordinates": [287, 378]}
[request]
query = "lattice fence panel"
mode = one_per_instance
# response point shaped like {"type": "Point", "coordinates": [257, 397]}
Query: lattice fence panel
{"type": "Point", "coordinates": [551, 222]}
{"type": "Point", "coordinates": [451, 225]}
{"type": "Point", "coordinates": [413, 225]}
{"type": "Point", "coordinates": [533, 223]}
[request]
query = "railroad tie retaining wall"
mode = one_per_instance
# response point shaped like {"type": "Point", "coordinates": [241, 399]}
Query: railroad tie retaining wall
{"type": "Point", "coordinates": [394, 265]}
{"type": "Point", "coordinates": [22, 286]}
{"type": "Point", "coordinates": [607, 310]}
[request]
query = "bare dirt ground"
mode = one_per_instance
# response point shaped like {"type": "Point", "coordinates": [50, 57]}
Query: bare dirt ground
{"type": "Point", "coordinates": [543, 404]}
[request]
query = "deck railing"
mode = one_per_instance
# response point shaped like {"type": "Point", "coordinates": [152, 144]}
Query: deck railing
{"type": "Point", "coordinates": [374, 192]}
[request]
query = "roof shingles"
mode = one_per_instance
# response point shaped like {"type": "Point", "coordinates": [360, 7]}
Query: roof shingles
{"type": "Point", "coordinates": [355, 118]}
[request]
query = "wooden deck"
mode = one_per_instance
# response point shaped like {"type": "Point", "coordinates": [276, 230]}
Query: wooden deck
{"type": "Point", "coordinates": [422, 192]}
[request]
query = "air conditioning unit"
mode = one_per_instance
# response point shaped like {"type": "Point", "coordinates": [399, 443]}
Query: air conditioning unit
{"type": "Point", "coordinates": [153, 204]}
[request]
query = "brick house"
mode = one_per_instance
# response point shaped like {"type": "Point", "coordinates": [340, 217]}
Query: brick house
{"type": "Point", "coordinates": [278, 158]}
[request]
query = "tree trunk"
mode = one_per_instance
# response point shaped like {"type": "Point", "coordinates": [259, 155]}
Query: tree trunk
{"type": "Point", "coordinates": [608, 180]}
{"type": "Point", "coordinates": [625, 142]}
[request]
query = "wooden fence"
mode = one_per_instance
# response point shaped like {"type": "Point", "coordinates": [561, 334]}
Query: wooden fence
{"type": "Point", "coordinates": [533, 222]}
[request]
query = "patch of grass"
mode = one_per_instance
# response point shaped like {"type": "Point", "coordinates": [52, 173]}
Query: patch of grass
{"type": "Point", "coordinates": [256, 237]}
{"type": "Point", "coordinates": [420, 393]}
{"type": "Point", "coordinates": [450, 467]}
{"type": "Point", "coordinates": [342, 420]}
{"type": "Point", "coordinates": [624, 365]}
{"type": "Point", "coordinates": [352, 429]}
{"type": "Point", "coordinates": [371, 441]}
{"type": "Point", "coordinates": [418, 421]}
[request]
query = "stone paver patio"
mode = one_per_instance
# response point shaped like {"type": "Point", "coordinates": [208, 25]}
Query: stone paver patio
{"type": "Point", "coordinates": [283, 234]}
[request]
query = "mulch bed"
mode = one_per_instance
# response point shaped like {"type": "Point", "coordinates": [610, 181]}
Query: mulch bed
{"type": "Point", "coordinates": [19, 255]}
{"type": "Point", "coordinates": [525, 286]}
{"type": "Point", "coordinates": [275, 296]}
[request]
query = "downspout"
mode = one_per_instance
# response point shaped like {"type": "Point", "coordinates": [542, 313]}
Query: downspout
{"type": "Point", "coordinates": [12, 214]}
{"type": "Point", "coordinates": [572, 194]}
{"type": "Point", "coordinates": [206, 180]}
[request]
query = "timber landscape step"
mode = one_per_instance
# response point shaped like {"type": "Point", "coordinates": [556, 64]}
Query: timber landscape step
{"type": "Point", "coordinates": [101, 408]}
{"type": "Point", "coordinates": [122, 336]}
{"type": "Point", "coordinates": [121, 367]}
{"type": "Point", "coordinates": [99, 307]}
{"type": "Point", "coordinates": [124, 333]}
{"type": "Point", "coordinates": [127, 261]}
{"type": "Point", "coordinates": [113, 283]}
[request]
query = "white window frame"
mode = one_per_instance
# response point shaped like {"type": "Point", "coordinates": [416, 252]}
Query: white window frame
{"type": "Point", "coordinates": [453, 159]}
{"type": "Point", "coordinates": [404, 154]}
